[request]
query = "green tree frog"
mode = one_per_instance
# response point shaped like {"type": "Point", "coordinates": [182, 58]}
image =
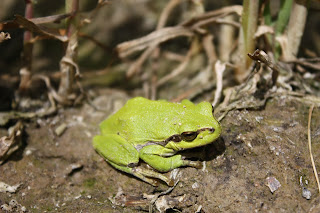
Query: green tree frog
{"type": "Point", "coordinates": [154, 131]}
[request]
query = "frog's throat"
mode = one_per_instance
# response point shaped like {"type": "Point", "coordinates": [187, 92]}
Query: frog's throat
{"type": "Point", "coordinates": [173, 138]}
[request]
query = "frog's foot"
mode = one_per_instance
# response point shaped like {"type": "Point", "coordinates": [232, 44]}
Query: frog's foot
{"type": "Point", "coordinates": [136, 172]}
{"type": "Point", "coordinates": [144, 173]}
{"type": "Point", "coordinates": [195, 164]}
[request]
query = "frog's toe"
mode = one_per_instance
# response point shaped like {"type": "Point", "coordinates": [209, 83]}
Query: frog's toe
{"type": "Point", "coordinates": [137, 172]}
{"type": "Point", "coordinates": [148, 174]}
{"type": "Point", "coordinates": [195, 164]}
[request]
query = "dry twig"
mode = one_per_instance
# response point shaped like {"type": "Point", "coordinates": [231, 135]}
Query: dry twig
{"type": "Point", "coordinates": [219, 68]}
{"type": "Point", "coordinates": [178, 69]}
{"type": "Point", "coordinates": [154, 38]}
{"type": "Point", "coordinates": [188, 28]}
{"type": "Point", "coordinates": [32, 27]}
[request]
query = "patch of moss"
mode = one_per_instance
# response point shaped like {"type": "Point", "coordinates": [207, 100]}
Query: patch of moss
{"type": "Point", "coordinates": [89, 183]}
{"type": "Point", "coordinates": [49, 209]}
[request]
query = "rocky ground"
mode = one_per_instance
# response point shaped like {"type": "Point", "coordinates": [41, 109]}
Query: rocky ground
{"type": "Point", "coordinates": [261, 163]}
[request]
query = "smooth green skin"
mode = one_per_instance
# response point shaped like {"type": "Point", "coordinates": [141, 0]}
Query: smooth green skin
{"type": "Point", "coordinates": [140, 130]}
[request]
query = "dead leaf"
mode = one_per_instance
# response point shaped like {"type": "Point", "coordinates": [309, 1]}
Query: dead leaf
{"type": "Point", "coordinates": [7, 188]}
{"type": "Point", "coordinates": [11, 143]}
{"type": "Point", "coordinates": [4, 36]}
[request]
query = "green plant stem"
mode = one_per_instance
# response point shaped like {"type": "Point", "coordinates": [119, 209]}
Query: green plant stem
{"type": "Point", "coordinates": [282, 22]}
{"type": "Point", "coordinates": [247, 41]}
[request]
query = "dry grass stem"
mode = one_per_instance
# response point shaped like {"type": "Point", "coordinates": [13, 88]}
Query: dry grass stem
{"type": "Point", "coordinates": [226, 39]}
{"type": "Point", "coordinates": [295, 29]}
{"type": "Point", "coordinates": [127, 48]}
{"type": "Point", "coordinates": [219, 68]}
{"type": "Point", "coordinates": [216, 13]}
{"type": "Point", "coordinates": [310, 151]}
{"type": "Point", "coordinates": [51, 90]}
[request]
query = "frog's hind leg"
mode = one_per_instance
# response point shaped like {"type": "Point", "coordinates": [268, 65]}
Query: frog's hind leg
{"type": "Point", "coordinates": [124, 156]}
{"type": "Point", "coordinates": [116, 150]}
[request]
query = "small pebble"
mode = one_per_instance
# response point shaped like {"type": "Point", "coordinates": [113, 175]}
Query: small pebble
{"type": "Point", "coordinates": [306, 193]}
{"type": "Point", "coordinates": [60, 129]}
{"type": "Point", "coordinates": [273, 184]}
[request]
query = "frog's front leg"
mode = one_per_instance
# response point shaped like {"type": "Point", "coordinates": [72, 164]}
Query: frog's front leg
{"type": "Point", "coordinates": [163, 159]}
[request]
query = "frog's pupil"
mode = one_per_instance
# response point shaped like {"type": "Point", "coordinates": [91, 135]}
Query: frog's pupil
{"type": "Point", "coordinates": [189, 136]}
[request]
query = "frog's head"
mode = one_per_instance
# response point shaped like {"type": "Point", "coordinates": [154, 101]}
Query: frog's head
{"type": "Point", "coordinates": [197, 127]}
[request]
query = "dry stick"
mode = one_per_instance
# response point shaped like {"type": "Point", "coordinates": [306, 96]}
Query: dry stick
{"type": "Point", "coordinates": [152, 40]}
{"type": "Point", "coordinates": [136, 66]}
{"type": "Point", "coordinates": [209, 48]}
{"type": "Point", "coordinates": [25, 70]}
{"type": "Point", "coordinates": [127, 48]}
{"type": "Point", "coordinates": [309, 143]}
{"type": "Point", "coordinates": [166, 12]}
{"type": "Point", "coordinates": [178, 69]}
{"type": "Point", "coordinates": [50, 19]}
{"type": "Point", "coordinates": [305, 63]}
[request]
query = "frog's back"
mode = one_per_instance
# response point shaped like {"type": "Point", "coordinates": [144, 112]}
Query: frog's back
{"type": "Point", "coordinates": [137, 117]}
{"type": "Point", "coordinates": [143, 120]}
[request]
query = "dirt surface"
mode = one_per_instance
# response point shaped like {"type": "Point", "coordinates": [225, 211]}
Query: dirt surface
{"type": "Point", "coordinates": [259, 151]}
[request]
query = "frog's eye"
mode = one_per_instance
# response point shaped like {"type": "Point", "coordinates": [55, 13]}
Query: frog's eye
{"type": "Point", "coordinates": [189, 136]}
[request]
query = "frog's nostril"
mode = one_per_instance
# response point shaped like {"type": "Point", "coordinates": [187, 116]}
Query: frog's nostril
{"type": "Point", "coordinates": [131, 165]}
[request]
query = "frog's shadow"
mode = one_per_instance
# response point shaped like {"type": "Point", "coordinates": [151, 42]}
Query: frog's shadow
{"type": "Point", "coordinates": [205, 153]}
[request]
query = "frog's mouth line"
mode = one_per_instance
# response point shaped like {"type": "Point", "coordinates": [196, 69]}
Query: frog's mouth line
{"type": "Point", "coordinates": [185, 136]}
